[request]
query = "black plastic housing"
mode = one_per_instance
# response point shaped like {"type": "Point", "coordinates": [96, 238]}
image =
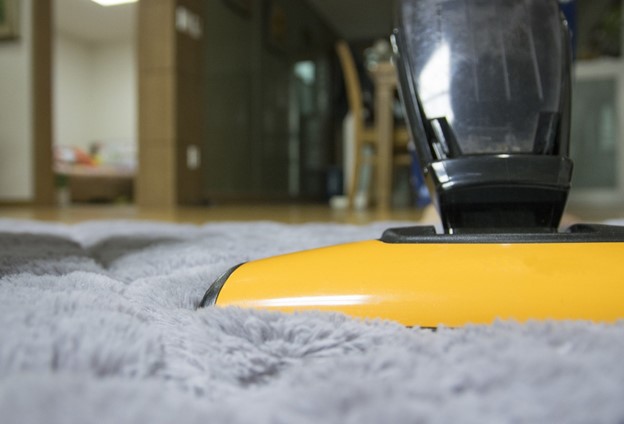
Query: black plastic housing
{"type": "Point", "coordinates": [494, 193]}
{"type": "Point", "coordinates": [578, 233]}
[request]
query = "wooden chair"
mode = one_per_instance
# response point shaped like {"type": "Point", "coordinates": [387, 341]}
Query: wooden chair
{"type": "Point", "coordinates": [365, 135]}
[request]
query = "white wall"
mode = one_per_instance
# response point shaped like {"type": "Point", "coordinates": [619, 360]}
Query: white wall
{"type": "Point", "coordinates": [115, 92]}
{"type": "Point", "coordinates": [95, 92]}
{"type": "Point", "coordinates": [16, 136]}
{"type": "Point", "coordinates": [71, 91]}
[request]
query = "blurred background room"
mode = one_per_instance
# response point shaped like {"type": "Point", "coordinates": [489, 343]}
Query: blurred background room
{"type": "Point", "coordinates": [192, 110]}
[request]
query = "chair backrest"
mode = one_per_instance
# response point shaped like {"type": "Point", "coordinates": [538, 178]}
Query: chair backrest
{"type": "Point", "coordinates": [352, 82]}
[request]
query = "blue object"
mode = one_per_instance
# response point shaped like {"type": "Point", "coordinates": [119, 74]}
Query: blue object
{"type": "Point", "coordinates": [417, 180]}
{"type": "Point", "coordinates": [568, 7]}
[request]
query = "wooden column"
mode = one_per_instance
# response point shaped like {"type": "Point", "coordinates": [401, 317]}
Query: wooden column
{"type": "Point", "coordinates": [44, 191]}
{"type": "Point", "coordinates": [169, 103]}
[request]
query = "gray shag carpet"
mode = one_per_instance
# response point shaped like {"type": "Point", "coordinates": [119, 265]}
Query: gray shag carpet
{"type": "Point", "coordinates": [98, 324]}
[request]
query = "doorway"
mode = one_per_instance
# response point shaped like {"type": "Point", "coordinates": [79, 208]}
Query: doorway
{"type": "Point", "coordinates": [94, 101]}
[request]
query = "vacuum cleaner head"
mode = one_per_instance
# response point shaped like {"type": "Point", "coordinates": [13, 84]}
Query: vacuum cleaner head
{"type": "Point", "coordinates": [420, 278]}
{"type": "Point", "coordinates": [486, 87]}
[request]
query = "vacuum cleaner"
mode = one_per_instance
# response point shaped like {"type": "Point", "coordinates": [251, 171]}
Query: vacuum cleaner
{"type": "Point", "coordinates": [486, 86]}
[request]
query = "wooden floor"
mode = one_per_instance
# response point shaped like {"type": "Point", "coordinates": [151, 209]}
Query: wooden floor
{"type": "Point", "coordinates": [287, 213]}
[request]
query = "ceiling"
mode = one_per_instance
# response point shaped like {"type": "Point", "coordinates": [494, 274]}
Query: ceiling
{"type": "Point", "coordinates": [92, 23]}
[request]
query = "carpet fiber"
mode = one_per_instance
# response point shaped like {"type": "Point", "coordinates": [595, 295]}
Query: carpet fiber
{"type": "Point", "coordinates": [98, 324]}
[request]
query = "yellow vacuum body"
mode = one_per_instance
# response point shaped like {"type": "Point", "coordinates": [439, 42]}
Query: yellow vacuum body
{"type": "Point", "coordinates": [486, 89]}
{"type": "Point", "coordinates": [420, 280]}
